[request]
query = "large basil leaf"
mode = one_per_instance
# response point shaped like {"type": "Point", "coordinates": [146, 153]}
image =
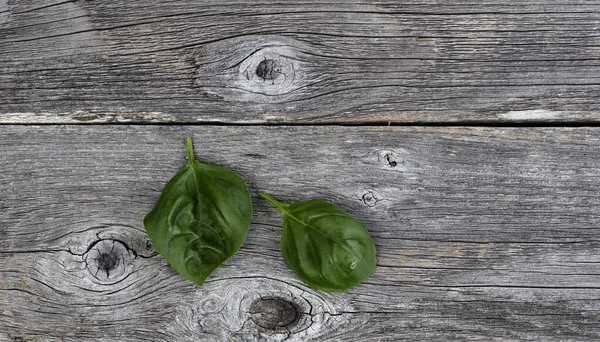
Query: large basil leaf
{"type": "Point", "coordinates": [201, 219]}
{"type": "Point", "coordinates": [327, 248]}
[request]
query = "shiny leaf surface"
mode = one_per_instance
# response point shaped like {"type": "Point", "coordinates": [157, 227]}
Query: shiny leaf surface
{"type": "Point", "coordinates": [327, 248]}
{"type": "Point", "coordinates": [201, 219]}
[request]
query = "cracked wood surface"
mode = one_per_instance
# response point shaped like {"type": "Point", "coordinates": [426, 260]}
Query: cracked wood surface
{"type": "Point", "coordinates": [486, 234]}
{"type": "Point", "coordinates": [374, 61]}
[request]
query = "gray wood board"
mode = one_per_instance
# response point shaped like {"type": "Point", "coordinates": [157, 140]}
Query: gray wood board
{"type": "Point", "coordinates": [323, 61]}
{"type": "Point", "coordinates": [482, 234]}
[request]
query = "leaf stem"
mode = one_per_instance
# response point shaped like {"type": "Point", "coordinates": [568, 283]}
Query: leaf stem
{"type": "Point", "coordinates": [190, 148]}
{"type": "Point", "coordinates": [273, 201]}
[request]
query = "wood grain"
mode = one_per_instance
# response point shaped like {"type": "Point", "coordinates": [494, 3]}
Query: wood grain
{"type": "Point", "coordinates": [487, 234]}
{"type": "Point", "coordinates": [352, 62]}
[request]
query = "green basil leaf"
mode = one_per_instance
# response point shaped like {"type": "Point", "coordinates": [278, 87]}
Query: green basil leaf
{"type": "Point", "coordinates": [327, 248]}
{"type": "Point", "coordinates": [201, 219]}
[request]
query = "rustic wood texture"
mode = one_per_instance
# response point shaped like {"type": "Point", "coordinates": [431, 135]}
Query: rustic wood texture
{"type": "Point", "coordinates": [487, 234]}
{"type": "Point", "coordinates": [322, 61]}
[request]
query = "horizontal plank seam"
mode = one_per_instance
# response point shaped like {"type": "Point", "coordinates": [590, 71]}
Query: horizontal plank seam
{"type": "Point", "coordinates": [492, 124]}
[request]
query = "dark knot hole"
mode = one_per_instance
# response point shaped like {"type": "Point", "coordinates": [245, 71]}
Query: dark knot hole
{"type": "Point", "coordinates": [268, 69]}
{"type": "Point", "coordinates": [107, 261]}
{"type": "Point", "coordinates": [274, 313]}
{"type": "Point", "coordinates": [391, 160]}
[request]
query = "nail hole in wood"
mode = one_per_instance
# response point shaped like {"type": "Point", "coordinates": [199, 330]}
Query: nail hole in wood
{"type": "Point", "coordinates": [391, 160]}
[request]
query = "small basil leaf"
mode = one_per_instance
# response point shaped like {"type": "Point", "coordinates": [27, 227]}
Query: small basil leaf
{"type": "Point", "coordinates": [327, 248]}
{"type": "Point", "coordinates": [201, 219]}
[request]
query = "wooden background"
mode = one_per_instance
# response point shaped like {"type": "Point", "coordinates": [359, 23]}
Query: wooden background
{"type": "Point", "coordinates": [464, 134]}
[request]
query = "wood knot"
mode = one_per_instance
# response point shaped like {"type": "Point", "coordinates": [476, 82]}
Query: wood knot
{"type": "Point", "coordinates": [255, 308]}
{"type": "Point", "coordinates": [268, 69]}
{"type": "Point", "coordinates": [391, 159]}
{"type": "Point", "coordinates": [108, 260]}
{"type": "Point", "coordinates": [371, 198]}
{"type": "Point", "coordinates": [265, 69]}
{"type": "Point", "coordinates": [212, 304]}
{"type": "Point", "coordinates": [274, 313]}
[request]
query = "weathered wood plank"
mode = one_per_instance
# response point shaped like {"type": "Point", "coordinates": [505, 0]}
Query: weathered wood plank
{"type": "Point", "coordinates": [482, 234]}
{"type": "Point", "coordinates": [327, 61]}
